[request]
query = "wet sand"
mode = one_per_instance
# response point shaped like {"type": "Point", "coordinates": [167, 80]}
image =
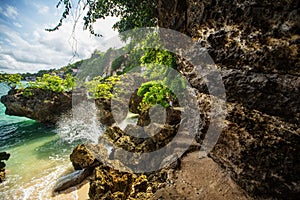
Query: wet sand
{"type": "Point", "coordinates": [80, 192]}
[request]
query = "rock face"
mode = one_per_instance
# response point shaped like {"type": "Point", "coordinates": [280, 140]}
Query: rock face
{"type": "Point", "coordinates": [255, 45]}
{"type": "Point", "coordinates": [43, 106]}
{"type": "Point", "coordinates": [273, 94]}
{"type": "Point", "coordinates": [3, 156]}
{"type": "Point", "coordinates": [261, 151]}
{"type": "Point", "coordinates": [259, 35]}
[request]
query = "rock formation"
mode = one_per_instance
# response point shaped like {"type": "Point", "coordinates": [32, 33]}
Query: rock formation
{"type": "Point", "coordinates": [43, 106]}
{"type": "Point", "coordinates": [3, 156]}
{"type": "Point", "coordinates": [255, 45]}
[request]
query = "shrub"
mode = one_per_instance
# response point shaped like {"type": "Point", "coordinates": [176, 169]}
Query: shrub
{"type": "Point", "coordinates": [51, 82]}
{"type": "Point", "coordinates": [155, 92]}
{"type": "Point", "coordinates": [100, 87]}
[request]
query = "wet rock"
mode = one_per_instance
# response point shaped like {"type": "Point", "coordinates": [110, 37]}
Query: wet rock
{"type": "Point", "coordinates": [72, 179]}
{"type": "Point", "coordinates": [43, 105]}
{"type": "Point", "coordinates": [3, 156]}
{"type": "Point", "coordinates": [2, 165]}
{"type": "Point", "coordinates": [83, 156]}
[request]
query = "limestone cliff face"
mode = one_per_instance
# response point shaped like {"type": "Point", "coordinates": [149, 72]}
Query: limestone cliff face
{"type": "Point", "coordinates": [255, 45]}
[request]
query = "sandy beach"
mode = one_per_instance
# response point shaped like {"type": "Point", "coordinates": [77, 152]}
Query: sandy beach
{"type": "Point", "coordinates": [80, 192]}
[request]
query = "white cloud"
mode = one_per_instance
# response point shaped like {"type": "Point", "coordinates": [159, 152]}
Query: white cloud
{"type": "Point", "coordinates": [10, 12]}
{"type": "Point", "coordinates": [18, 25]}
{"type": "Point", "coordinates": [41, 9]}
{"type": "Point", "coordinates": [44, 50]}
{"type": "Point", "coordinates": [44, 10]}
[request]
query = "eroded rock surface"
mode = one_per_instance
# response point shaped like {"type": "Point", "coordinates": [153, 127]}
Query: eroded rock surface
{"type": "Point", "coordinates": [108, 183]}
{"type": "Point", "coordinates": [255, 46]}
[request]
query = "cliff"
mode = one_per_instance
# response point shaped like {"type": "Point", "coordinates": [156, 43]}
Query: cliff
{"type": "Point", "coordinates": [255, 45]}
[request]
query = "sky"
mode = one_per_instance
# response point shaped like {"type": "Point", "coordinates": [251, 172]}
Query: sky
{"type": "Point", "coordinates": [25, 46]}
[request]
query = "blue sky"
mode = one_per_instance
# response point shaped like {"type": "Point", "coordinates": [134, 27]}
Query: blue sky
{"type": "Point", "coordinates": [25, 46]}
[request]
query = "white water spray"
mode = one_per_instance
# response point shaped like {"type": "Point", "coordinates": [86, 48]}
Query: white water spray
{"type": "Point", "coordinates": [81, 124]}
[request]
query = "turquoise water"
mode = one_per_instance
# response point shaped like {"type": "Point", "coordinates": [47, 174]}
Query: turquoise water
{"type": "Point", "coordinates": [39, 156]}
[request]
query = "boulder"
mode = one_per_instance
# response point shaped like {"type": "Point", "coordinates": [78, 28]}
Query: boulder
{"type": "Point", "coordinates": [84, 156]}
{"type": "Point", "coordinates": [3, 156]}
{"type": "Point", "coordinates": [72, 179]}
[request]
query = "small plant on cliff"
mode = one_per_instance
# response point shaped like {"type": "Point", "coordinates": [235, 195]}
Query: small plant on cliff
{"type": "Point", "coordinates": [52, 83]}
{"type": "Point", "coordinates": [155, 92]}
{"type": "Point", "coordinates": [100, 87]}
{"type": "Point", "coordinates": [12, 80]}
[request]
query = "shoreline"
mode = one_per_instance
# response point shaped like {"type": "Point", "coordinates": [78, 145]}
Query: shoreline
{"type": "Point", "coordinates": [80, 192]}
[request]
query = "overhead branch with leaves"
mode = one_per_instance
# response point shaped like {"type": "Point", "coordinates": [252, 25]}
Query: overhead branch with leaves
{"type": "Point", "coordinates": [132, 14]}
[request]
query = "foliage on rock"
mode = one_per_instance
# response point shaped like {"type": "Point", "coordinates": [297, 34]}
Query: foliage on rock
{"type": "Point", "coordinates": [102, 87]}
{"type": "Point", "coordinates": [12, 80]}
{"type": "Point", "coordinates": [155, 92]}
{"type": "Point", "coordinates": [52, 83]}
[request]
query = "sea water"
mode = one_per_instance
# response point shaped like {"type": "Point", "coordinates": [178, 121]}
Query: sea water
{"type": "Point", "coordinates": [39, 156]}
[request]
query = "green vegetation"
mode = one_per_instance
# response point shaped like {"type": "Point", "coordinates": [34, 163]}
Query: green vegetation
{"type": "Point", "coordinates": [155, 92]}
{"type": "Point", "coordinates": [102, 87]}
{"type": "Point", "coordinates": [117, 63]}
{"type": "Point", "coordinates": [52, 83]}
{"type": "Point", "coordinates": [161, 57]}
{"type": "Point", "coordinates": [12, 80]}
